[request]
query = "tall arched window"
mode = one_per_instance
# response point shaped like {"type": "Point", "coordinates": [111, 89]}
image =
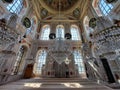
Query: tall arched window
{"type": "Point", "coordinates": [75, 33]}
{"type": "Point", "coordinates": [41, 58]}
{"type": "Point", "coordinates": [19, 60]}
{"type": "Point", "coordinates": [45, 32]}
{"type": "Point", "coordinates": [79, 61]}
{"type": "Point", "coordinates": [16, 6]}
{"type": "Point", "coordinates": [87, 29]}
{"type": "Point", "coordinates": [60, 31]}
{"type": "Point", "coordinates": [105, 7]}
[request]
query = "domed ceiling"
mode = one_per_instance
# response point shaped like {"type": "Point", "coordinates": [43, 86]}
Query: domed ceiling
{"type": "Point", "coordinates": [68, 8]}
{"type": "Point", "coordinates": [60, 4]}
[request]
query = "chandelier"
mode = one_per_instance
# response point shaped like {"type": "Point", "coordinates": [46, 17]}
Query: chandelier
{"type": "Point", "coordinates": [60, 50]}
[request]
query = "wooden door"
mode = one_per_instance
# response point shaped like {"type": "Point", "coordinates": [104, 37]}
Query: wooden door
{"type": "Point", "coordinates": [28, 71]}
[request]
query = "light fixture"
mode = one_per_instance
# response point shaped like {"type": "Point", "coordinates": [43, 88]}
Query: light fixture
{"type": "Point", "coordinates": [59, 50]}
{"type": "Point", "coordinates": [67, 61]}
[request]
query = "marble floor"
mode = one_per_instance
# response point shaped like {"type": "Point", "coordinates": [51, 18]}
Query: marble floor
{"type": "Point", "coordinates": [53, 84]}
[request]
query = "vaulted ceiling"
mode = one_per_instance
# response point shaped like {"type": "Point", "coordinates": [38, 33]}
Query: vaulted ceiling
{"type": "Point", "coordinates": [61, 10]}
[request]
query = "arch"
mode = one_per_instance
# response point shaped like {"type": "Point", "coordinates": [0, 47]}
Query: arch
{"type": "Point", "coordinates": [2, 11]}
{"type": "Point", "coordinates": [101, 7]}
{"type": "Point", "coordinates": [20, 60]}
{"type": "Point", "coordinates": [35, 25]}
{"type": "Point", "coordinates": [60, 31]}
{"type": "Point", "coordinates": [32, 30]}
{"type": "Point", "coordinates": [96, 8]}
{"type": "Point", "coordinates": [20, 7]}
{"type": "Point", "coordinates": [12, 20]}
{"type": "Point", "coordinates": [75, 32]}
{"type": "Point", "coordinates": [79, 61]}
{"type": "Point", "coordinates": [45, 32]}
{"type": "Point", "coordinates": [28, 71]}
{"type": "Point", "coordinates": [25, 9]}
{"type": "Point", "coordinates": [87, 29]}
{"type": "Point", "coordinates": [105, 7]}
{"type": "Point", "coordinates": [16, 6]}
{"type": "Point", "coordinates": [40, 61]}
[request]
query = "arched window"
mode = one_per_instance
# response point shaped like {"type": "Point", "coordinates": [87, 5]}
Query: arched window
{"type": "Point", "coordinates": [19, 60]}
{"type": "Point", "coordinates": [105, 7]}
{"type": "Point", "coordinates": [87, 29]}
{"type": "Point", "coordinates": [75, 33]}
{"type": "Point", "coordinates": [16, 6]}
{"type": "Point", "coordinates": [45, 32]}
{"type": "Point", "coordinates": [60, 31]}
{"type": "Point", "coordinates": [78, 61]}
{"type": "Point", "coordinates": [41, 58]}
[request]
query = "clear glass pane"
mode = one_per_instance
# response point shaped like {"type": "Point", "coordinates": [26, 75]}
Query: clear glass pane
{"type": "Point", "coordinates": [16, 6]}
{"type": "Point", "coordinates": [78, 61]}
{"type": "Point", "coordinates": [105, 8]}
{"type": "Point", "coordinates": [45, 32]}
{"type": "Point", "coordinates": [75, 33]}
{"type": "Point", "coordinates": [60, 31]}
{"type": "Point", "coordinates": [41, 61]}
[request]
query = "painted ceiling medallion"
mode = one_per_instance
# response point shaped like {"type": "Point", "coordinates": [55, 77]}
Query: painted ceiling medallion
{"type": "Point", "coordinates": [44, 12]}
{"type": "Point", "coordinates": [76, 13]}
{"type": "Point", "coordinates": [26, 22]}
{"type": "Point", "coordinates": [60, 4]}
{"type": "Point", "coordinates": [92, 22]}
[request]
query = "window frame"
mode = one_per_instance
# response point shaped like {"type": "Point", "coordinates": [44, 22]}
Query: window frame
{"type": "Point", "coordinates": [45, 32]}
{"type": "Point", "coordinates": [104, 7]}
{"type": "Point", "coordinates": [40, 61]}
{"type": "Point", "coordinates": [79, 61]}
{"type": "Point", "coordinates": [15, 7]}
{"type": "Point", "coordinates": [60, 31]}
{"type": "Point", "coordinates": [75, 32]}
